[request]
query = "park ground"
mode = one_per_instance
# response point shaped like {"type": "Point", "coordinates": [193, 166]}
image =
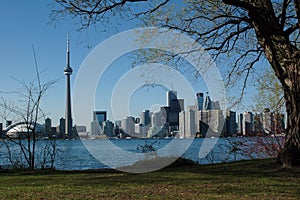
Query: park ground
{"type": "Point", "coordinates": [255, 179]}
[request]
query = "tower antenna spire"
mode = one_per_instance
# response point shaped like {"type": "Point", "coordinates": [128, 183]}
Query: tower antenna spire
{"type": "Point", "coordinates": [68, 51]}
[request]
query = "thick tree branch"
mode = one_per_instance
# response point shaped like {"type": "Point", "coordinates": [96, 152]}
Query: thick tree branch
{"type": "Point", "coordinates": [239, 3]}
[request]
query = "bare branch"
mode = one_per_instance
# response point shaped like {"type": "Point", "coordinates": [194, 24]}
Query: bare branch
{"type": "Point", "coordinates": [153, 9]}
{"type": "Point", "coordinates": [292, 29]}
{"type": "Point", "coordinates": [285, 5]}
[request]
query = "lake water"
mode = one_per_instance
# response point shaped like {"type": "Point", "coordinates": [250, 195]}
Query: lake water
{"type": "Point", "coordinates": [95, 154]}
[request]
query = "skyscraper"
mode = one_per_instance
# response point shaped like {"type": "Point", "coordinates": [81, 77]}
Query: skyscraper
{"type": "Point", "coordinates": [200, 101]}
{"type": "Point", "coordinates": [68, 72]}
{"type": "Point", "coordinates": [145, 118]}
{"type": "Point", "coordinates": [240, 124]}
{"type": "Point", "coordinates": [248, 125]}
{"type": "Point", "coordinates": [210, 122]}
{"type": "Point", "coordinates": [207, 103]}
{"type": "Point", "coordinates": [177, 105]}
{"type": "Point", "coordinates": [128, 125]}
{"type": "Point", "coordinates": [108, 128]}
{"type": "Point", "coordinates": [267, 121]}
{"type": "Point", "coordinates": [230, 124]}
{"type": "Point", "coordinates": [100, 117]}
{"type": "Point", "coordinates": [97, 124]}
{"type": "Point", "coordinates": [171, 95]}
{"type": "Point", "coordinates": [62, 128]}
{"type": "Point", "coordinates": [187, 125]}
{"type": "Point", "coordinates": [48, 125]}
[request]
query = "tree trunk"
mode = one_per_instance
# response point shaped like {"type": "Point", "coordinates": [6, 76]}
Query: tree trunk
{"type": "Point", "coordinates": [284, 58]}
{"type": "Point", "coordinates": [290, 155]}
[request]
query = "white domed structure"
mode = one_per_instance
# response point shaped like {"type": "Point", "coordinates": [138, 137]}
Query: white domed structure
{"type": "Point", "coordinates": [21, 128]}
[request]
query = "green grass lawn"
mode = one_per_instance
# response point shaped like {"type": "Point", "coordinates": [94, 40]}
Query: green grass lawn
{"type": "Point", "coordinates": [257, 179]}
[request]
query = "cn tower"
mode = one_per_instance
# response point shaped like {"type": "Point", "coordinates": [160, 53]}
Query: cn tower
{"type": "Point", "coordinates": [68, 72]}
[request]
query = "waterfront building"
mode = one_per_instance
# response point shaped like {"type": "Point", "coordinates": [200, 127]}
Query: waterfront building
{"type": "Point", "coordinates": [165, 111]}
{"type": "Point", "coordinates": [267, 121]}
{"type": "Point", "coordinates": [279, 125]}
{"type": "Point", "coordinates": [81, 129]}
{"type": "Point", "coordinates": [271, 122]}
{"type": "Point", "coordinates": [100, 117]}
{"type": "Point", "coordinates": [248, 125]}
{"type": "Point", "coordinates": [210, 122]}
{"type": "Point", "coordinates": [118, 123]}
{"type": "Point", "coordinates": [48, 125]}
{"type": "Point", "coordinates": [62, 127]}
{"type": "Point", "coordinates": [157, 119]}
{"type": "Point", "coordinates": [80, 132]}
{"type": "Point", "coordinates": [138, 129]}
{"type": "Point", "coordinates": [54, 132]}
{"type": "Point", "coordinates": [96, 129]}
{"type": "Point", "coordinates": [230, 124]}
{"type": "Point", "coordinates": [187, 125]}
{"type": "Point", "coordinates": [108, 129]}
{"type": "Point", "coordinates": [157, 128]}
{"type": "Point", "coordinates": [258, 124]}
{"type": "Point", "coordinates": [240, 124]}
{"type": "Point", "coordinates": [141, 131]}
{"type": "Point", "coordinates": [97, 124]}
{"type": "Point", "coordinates": [171, 112]}
{"type": "Point", "coordinates": [145, 118]}
{"type": "Point", "coordinates": [128, 125]}
{"type": "Point", "coordinates": [182, 124]}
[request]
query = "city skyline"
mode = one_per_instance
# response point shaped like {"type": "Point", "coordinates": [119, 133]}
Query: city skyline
{"type": "Point", "coordinates": [202, 119]}
{"type": "Point", "coordinates": [194, 121]}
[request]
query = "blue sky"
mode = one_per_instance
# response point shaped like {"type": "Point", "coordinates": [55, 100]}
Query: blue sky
{"type": "Point", "coordinates": [26, 23]}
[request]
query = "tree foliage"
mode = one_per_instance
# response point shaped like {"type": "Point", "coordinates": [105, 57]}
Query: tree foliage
{"type": "Point", "coordinates": [269, 93]}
